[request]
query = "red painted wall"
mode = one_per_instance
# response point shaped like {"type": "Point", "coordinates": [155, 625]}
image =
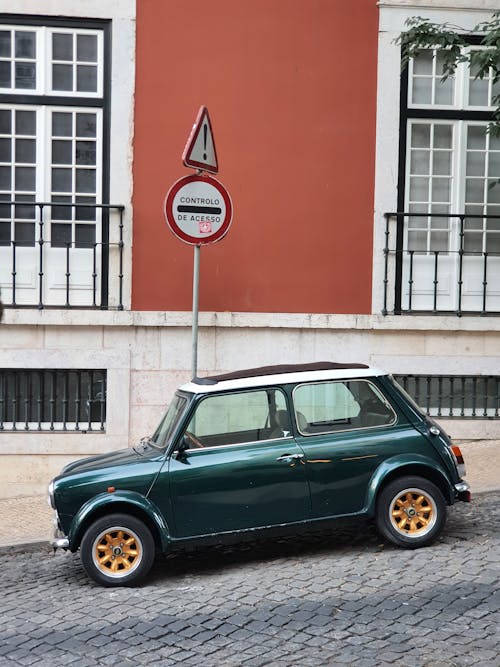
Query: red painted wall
{"type": "Point", "coordinates": [291, 90]}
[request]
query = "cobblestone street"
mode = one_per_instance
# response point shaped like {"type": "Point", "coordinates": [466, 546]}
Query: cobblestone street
{"type": "Point", "coordinates": [339, 599]}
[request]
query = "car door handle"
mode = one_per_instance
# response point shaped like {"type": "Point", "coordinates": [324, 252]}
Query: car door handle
{"type": "Point", "coordinates": [290, 457]}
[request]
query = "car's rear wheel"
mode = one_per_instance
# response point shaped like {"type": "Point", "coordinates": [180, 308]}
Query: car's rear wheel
{"type": "Point", "coordinates": [411, 512]}
{"type": "Point", "coordinates": [117, 550]}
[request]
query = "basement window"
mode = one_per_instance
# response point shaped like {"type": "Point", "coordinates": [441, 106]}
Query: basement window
{"type": "Point", "coordinates": [455, 396]}
{"type": "Point", "coordinates": [52, 400]}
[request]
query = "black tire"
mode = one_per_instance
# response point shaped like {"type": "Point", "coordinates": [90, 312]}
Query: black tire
{"type": "Point", "coordinates": [411, 512]}
{"type": "Point", "coordinates": [117, 550]}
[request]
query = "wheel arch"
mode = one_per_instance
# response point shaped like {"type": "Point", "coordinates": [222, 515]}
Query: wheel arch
{"type": "Point", "coordinates": [423, 469]}
{"type": "Point", "coordinates": [128, 503]}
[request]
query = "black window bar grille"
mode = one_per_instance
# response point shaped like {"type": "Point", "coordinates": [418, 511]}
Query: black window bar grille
{"type": "Point", "coordinates": [52, 400]}
{"type": "Point", "coordinates": [35, 233]}
{"type": "Point", "coordinates": [395, 254]}
{"type": "Point", "coordinates": [455, 396]}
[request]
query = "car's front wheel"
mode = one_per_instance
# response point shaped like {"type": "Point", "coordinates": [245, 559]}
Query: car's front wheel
{"type": "Point", "coordinates": [411, 512]}
{"type": "Point", "coordinates": [117, 550]}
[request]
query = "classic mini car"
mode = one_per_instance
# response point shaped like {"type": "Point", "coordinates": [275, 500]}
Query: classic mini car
{"type": "Point", "coordinates": [264, 451]}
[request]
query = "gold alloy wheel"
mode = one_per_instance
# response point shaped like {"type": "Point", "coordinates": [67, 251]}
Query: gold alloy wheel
{"type": "Point", "coordinates": [117, 552]}
{"type": "Point", "coordinates": [412, 512]}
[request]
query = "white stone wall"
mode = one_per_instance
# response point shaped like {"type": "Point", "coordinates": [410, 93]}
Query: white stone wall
{"type": "Point", "coordinates": [147, 355]}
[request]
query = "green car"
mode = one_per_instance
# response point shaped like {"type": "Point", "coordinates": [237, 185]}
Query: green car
{"type": "Point", "coordinates": [267, 451]}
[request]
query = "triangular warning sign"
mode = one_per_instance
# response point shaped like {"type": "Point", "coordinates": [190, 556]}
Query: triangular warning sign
{"type": "Point", "coordinates": [200, 150]}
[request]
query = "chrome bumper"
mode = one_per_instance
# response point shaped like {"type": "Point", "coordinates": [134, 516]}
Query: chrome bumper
{"type": "Point", "coordinates": [463, 492]}
{"type": "Point", "coordinates": [59, 543]}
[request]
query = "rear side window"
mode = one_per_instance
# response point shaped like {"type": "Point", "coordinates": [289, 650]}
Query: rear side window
{"type": "Point", "coordinates": [325, 407]}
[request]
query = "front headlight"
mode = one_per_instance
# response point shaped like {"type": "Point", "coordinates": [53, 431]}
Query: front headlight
{"type": "Point", "coordinates": [50, 495]}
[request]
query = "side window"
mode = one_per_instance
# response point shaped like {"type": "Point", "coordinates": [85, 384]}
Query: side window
{"type": "Point", "coordinates": [338, 406]}
{"type": "Point", "coordinates": [228, 419]}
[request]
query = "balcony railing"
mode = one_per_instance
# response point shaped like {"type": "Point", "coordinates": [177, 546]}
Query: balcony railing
{"type": "Point", "coordinates": [61, 255]}
{"type": "Point", "coordinates": [438, 264]}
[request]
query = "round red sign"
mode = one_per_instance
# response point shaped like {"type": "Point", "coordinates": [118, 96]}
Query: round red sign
{"type": "Point", "coordinates": [198, 209]}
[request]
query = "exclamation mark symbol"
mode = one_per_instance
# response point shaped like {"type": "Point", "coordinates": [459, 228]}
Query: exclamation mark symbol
{"type": "Point", "coordinates": [205, 131]}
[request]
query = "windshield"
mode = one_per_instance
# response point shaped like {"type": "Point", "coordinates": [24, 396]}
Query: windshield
{"type": "Point", "coordinates": [161, 436]}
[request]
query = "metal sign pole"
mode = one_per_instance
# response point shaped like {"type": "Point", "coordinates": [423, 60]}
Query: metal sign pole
{"type": "Point", "coordinates": [196, 289]}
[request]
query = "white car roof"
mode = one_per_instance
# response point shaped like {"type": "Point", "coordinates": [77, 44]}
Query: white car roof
{"type": "Point", "coordinates": [263, 377]}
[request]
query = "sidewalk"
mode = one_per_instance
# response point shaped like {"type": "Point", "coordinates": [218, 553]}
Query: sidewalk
{"type": "Point", "coordinates": [28, 521]}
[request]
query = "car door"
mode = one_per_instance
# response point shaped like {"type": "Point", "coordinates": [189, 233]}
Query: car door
{"type": "Point", "coordinates": [345, 429]}
{"type": "Point", "coordinates": [242, 469]}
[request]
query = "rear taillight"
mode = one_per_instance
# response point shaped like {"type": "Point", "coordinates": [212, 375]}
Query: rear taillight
{"type": "Point", "coordinates": [459, 459]}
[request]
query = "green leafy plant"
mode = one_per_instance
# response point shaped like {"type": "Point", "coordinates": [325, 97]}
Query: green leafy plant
{"type": "Point", "coordinates": [453, 45]}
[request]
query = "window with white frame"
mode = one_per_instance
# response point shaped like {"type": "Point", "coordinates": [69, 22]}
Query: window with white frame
{"type": "Point", "coordinates": [451, 241]}
{"type": "Point", "coordinates": [52, 157]}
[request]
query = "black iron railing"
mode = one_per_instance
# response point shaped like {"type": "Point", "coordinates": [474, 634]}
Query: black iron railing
{"type": "Point", "coordinates": [52, 400]}
{"type": "Point", "coordinates": [103, 248]}
{"type": "Point", "coordinates": [406, 270]}
{"type": "Point", "coordinates": [455, 396]}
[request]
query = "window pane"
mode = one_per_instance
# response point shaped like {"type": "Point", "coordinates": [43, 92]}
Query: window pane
{"type": "Point", "coordinates": [60, 235]}
{"type": "Point", "coordinates": [476, 137]}
{"type": "Point", "coordinates": [26, 75]}
{"type": "Point", "coordinates": [493, 242]}
{"type": "Point", "coordinates": [474, 190]}
{"type": "Point", "coordinates": [5, 178]}
{"type": "Point", "coordinates": [86, 48]}
{"type": "Point", "coordinates": [441, 162]}
{"type": "Point", "coordinates": [22, 212]}
{"type": "Point", "coordinates": [494, 164]}
{"type": "Point", "coordinates": [420, 136]}
{"type": "Point", "coordinates": [62, 124]}
{"type": "Point", "coordinates": [444, 92]}
{"type": "Point", "coordinates": [439, 241]}
{"type": "Point", "coordinates": [25, 178]}
{"type": "Point", "coordinates": [439, 222]}
{"type": "Point", "coordinates": [417, 240]}
{"type": "Point", "coordinates": [442, 136]}
{"type": "Point", "coordinates": [478, 92]}
{"type": "Point", "coordinates": [62, 46]}
{"type": "Point", "coordinates": [5, 44]}
{"type": "Point", "coordinates": [62, 152]}
{"type": "Point", "coordinates": [62, 77]}
{"type": "Point", "coordinates": [61, 212]}
{"type": "Point", "coordinates": [493, 192]}
{"type": "Point", "coordinates": [86, 212]}
{"type": "Point", "coordinates": [25, 44]}
{"type": "Point", "coordinates": [5, 121]}
{"type": "Point", "coordinates": [473, 242]}
{"type": "Point", "coordinates": [86, 78]}
{"type": "Point", "coordinates": [86, 125]}
{"type": "Point", "coordinates": [4, 233]}
{"type": "Point", "coordinates": [5, 150]}
{"type": "Point", "coordinates": [86, 152]}
{"type": "Point", "coordinates": [85, 180]}
{"type": "Point", "coordinates": [5, 75]}
{"type": "Point", "coordinates": [420, 162]}
{"type": "Point", "coordinates": [419, 188]}
{"type": "Point", "coordinates": [422, 64]}
{"type": "Point", "coordinates": [26, 123]}
{"type": "Point", "coordinates": [84, 235]}
{"type": "Point", "coordinates": [475, 163]}
{"type": "Point", "coordinates": [25, 233]}
{"type": "Point", "coordinates": [26, 151]}
{"type": "Point", "coordinates": [422, 90]}
{"type": "Point", "coordinates": [441, 189]}
{"type": "Point", "coordinates": [61, 180]}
